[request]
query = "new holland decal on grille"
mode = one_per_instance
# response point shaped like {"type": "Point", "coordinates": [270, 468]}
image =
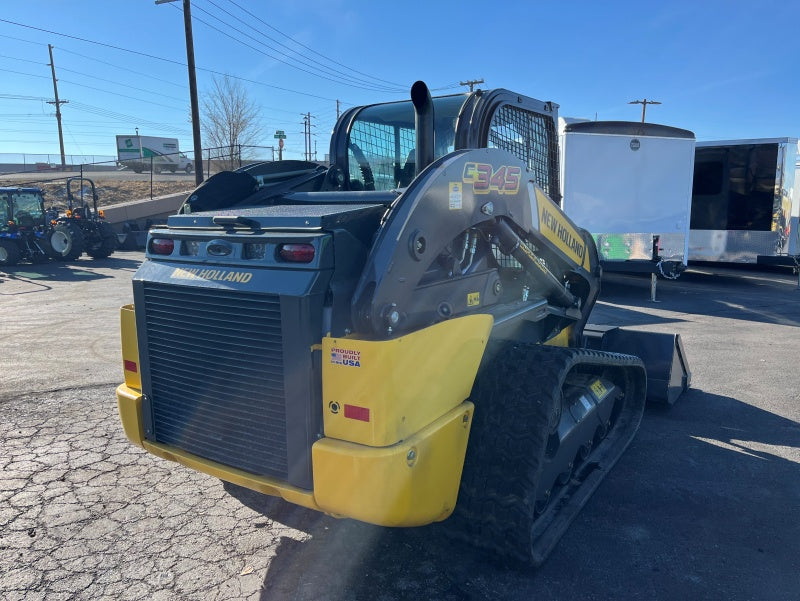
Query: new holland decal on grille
{"type": "Point", "coordinates": [341, 356]}
{"type": "Point", "coordinates": [216, 275]}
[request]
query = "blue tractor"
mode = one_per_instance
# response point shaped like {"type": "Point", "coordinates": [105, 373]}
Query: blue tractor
{"type": "Point", "coordinates": [25, 229]}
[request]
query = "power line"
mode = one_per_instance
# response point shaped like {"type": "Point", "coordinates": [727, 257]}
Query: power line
{"type": "Point", "coordinates": [120, 67]}
{"type": "Point", "coordinates": [166, 60]}
{"type": "Point", "coordinates": [25, 60]}
{"type": "Point", "coordinates": [471, 83]}
{"type": "Point", "coordinates": [128, 96]}
{"type": "Point", "coordinates": [331, 70]}
{"type": "Point", "coordinates": [22, 73]}
{"type": "Point", "coordinates": [306, 47]}
{"type": "Point", "coordinates": [75, 83]}
{"type": "Point", "coordinates": [119, 83]}
{"type": "Point", "coordinates": [267, 54]}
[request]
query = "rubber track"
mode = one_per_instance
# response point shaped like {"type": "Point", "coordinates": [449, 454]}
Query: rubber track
{"type": "Point", "coordinates": [515, 395]}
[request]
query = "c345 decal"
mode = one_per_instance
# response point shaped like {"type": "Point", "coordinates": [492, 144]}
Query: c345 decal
{"type": "Point", "coordinates": [485, 178]}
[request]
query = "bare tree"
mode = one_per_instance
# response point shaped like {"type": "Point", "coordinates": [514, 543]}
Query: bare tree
{"type": "Point", "coordinates": [230, 119]}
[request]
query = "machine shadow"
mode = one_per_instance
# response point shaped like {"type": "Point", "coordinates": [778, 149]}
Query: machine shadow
{"type": "Point", "coordinates": [696, 464]}
{"type": "Point", "coordinates": [80, 270]}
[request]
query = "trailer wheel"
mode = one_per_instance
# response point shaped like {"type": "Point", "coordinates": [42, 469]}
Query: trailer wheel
{"type": "Point", "coordinates": [67, 241]}
{"type": "Point", "coordinates": [9, 253]}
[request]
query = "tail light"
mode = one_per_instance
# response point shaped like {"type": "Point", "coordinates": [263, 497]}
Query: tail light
{"type": "Point", "coordinates": [296, 253]}
{"type": "Point", "coordinates": [162, 246]}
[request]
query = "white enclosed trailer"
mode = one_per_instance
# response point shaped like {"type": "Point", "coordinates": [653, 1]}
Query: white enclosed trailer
{"type": "Point", "coordinates": [746, 201]}
{"type": "Point", "coordinates": [630, 185]}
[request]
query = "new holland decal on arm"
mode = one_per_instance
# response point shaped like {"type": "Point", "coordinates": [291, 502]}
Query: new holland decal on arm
{"type": "Point", "coordinates": [555, 227]}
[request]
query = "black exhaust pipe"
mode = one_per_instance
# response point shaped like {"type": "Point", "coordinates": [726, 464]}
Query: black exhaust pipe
{"type": "Point", "coordinates": [423, 122]}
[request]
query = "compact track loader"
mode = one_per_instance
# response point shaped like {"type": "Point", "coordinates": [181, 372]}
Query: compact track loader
{"type": "Point", "coordinates": [398, 338]}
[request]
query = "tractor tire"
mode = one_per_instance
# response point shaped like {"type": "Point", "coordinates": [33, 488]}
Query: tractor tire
{"type": "Point", "coordinates": [9, 253]}
{"type": "Point", "coordinates": [106, 245]}
{"type": "Point", "coordinates": [67, 241]}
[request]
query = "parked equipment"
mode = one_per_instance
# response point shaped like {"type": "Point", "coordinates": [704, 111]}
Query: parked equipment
{"type": "Point", "coordinates": [398, 338]}
{"type": "Point", "coordinates": [82, 227]}
{"type": "Point", "coordinates": [25, 226]}
{"type": "Point", "coordinates": [746, 202]}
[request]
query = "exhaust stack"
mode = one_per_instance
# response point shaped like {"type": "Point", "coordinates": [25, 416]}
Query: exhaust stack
{"type": "Point", "coordinates": [423, 123]}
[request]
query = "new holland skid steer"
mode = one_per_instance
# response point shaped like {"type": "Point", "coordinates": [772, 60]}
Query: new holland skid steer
{"type": "Point", "coordinates": [398, 338]}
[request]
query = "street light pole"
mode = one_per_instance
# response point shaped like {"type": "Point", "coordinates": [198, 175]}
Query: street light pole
{"type": "Point", "coordinates": [198, 147]}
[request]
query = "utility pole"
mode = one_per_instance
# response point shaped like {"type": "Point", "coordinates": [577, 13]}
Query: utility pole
{"type": "Point", "coordinates": [644, 104]}
{"type": "Point", "coordinates": [471, 83]}
{"type": "Point", "coordinates": [58, 104]}
{"type": "Point", "coordinates": [198, 147]}
{"type": "Point", "coordinates": [338, 103]}
{"type": "Point", "coordinates": [307, 134]}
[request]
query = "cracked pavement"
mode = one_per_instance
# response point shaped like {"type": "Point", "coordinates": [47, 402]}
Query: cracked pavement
{"type": "Point", "coordinates": [87, 516]}
{"type": "Point", "coordinates": [702, 505]}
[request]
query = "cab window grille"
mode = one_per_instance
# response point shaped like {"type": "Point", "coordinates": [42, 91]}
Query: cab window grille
{"type": "Point", "coordinates": [532, 138]}
{"type": "Point", "coordinates": [381, 149]}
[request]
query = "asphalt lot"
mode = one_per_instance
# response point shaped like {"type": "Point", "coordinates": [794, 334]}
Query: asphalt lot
{"type": "Point", "coordinates": [705, 504]}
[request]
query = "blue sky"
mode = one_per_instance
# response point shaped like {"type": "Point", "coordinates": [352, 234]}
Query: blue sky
{"type": "Point", "coordinates": [722, 69]}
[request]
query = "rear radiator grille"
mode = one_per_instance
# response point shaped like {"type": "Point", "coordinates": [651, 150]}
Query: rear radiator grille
{"type": "Point", "coordinates": [216, 375]}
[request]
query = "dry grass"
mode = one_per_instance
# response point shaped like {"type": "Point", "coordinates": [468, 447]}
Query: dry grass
{"type": "Point", "coordinates": [109, 191]}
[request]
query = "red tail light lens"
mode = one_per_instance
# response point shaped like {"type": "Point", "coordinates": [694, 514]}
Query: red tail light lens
{"type": "Point", "coordinates": [296, 253]}
{"type": "Point", "coordinates": [162, 246]}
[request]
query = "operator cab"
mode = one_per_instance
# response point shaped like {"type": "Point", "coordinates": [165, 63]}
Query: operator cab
{"type": "Point", "coordinates": [23, 207]}
{"type": "Point", "coordinates": [381, 147]}
{"type": "Point", "coordinates": [374, 147]}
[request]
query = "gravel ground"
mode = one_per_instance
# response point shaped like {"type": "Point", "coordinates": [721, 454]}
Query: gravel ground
{"type": "Point", "coordinates": [704, 504]}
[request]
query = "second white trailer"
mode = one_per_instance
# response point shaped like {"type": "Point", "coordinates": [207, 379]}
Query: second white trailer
{"type": "Point", "coordinates": [630, 185]}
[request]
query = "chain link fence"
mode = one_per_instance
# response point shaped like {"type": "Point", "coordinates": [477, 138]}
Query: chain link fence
{"type": "Point", "coordinates": [120, 181]}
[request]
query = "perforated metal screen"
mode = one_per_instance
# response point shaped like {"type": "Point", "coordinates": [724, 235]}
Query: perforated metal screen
{"type": "Point", "coordinates": [532, 138]}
